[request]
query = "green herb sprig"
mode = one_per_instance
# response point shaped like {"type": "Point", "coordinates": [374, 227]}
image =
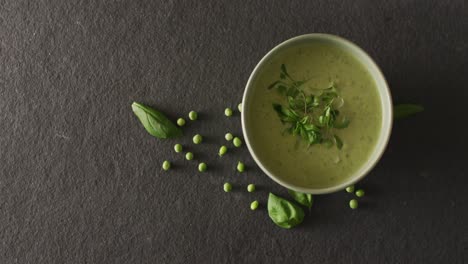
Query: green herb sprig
{"type": "Point", "coordinates": [312, 117]}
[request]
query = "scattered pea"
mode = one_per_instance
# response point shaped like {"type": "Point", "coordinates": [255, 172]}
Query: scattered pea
{"type": "Point", "coordinates": [251, 187]}
{"type": "Point", "coordinates": [239, 107]}
{"type": "Point", "coordinates": [254, 205]}
{"type": "Point", "coordinates": [178, 148]}
{"type": "Point", "coordinates": [228, 136]}
{"type": "Point", "coordinates": [197, 139]}
{"type": "Point", "coordinates": [350, 189]}
{"type": "Point", "coordinates": [202, 167]}
{"type": "Point", "coordinates": [353, 204]}
{"type": "Point", "coordinates": [222, 150]}
{"type": "Point", "coordinates": [228, 112]}
{"type": "Point", "coordinates": [237, 142]}
{"type": "Point", "coordinates": [193, 115]}
{"type": "Point", "coordinates": [189, 156]}
{"type": "Point", "coordinates": [166, 165]}
{"type": "Point", "coordinates": [227, 187]}
{"type": "Point", "coordinates": [360, 193]}
{"type": "Point", "coordinates": [240, 167]}
{"type": "Point", "coordinates": [181, 121]}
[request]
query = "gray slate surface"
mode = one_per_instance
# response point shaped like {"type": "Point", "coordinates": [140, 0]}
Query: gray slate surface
{"type": "Point", "coordinates": [80, 180]}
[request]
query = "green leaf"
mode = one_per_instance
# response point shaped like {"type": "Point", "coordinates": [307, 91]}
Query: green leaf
{"type": "Point", "coordinates": [284, 213]}
{"type": "Point", "coordinates": [297, 129]}
{"type": "Point", "coordinates": [284, 71]}
{"type": "Point", "coordinates": [303, 198]}
{"type": "Point", "coordinates": [311, 138]}
{"type": "Point", "coordinates": [292, 91]}
{"type": "Point", "coordinates": [155, 122]}
{"type": "Point", "coordinates": [291, 102]}
{"type": "Point", "coordinates": [343, 124]}
{"type": "Point", "coordinates": [278, 108]}
{"type": "Point", "coordinates": [285, 114]}
{"type": "Point", "coordinates": [331, 89]}
{"type": "Point", "coordinates": [405, 110]}
{"type": "Point", "coordinates": [310, 127]}
{"type": "Point", "coordinates": [316, 101]}
{"type": "Point", "coordinates": [338, 141]}
{"type": "Point", "coordinates": [274, 84]}
{"type": "Point", "coordinates": [322, 120]}
{"type": "Point", "coordinates": [328, 95]}
{"type": "Point", "coordinates": [299, 83]}
{"type": "Point", "coordinates": [281, 89]}
{"type": "Point", "coordinates": [314, 137]}
{"type": "Point", "coordinates": [303, 134]}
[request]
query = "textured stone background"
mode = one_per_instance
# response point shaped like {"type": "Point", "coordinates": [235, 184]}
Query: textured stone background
{"type": "Point", "coordinates": [80, 180]}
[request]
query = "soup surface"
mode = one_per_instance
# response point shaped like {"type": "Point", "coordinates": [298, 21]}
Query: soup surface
{"type": "Point", "coordinates": [288, 156]}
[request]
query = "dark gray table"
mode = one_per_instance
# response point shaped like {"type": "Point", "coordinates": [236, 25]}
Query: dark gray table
{"type": "Point", "coordinates": [80, 180]}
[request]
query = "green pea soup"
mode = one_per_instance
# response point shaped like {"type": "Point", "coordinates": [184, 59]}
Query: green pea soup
{"type": "Point", "coordinates": [288, 157]}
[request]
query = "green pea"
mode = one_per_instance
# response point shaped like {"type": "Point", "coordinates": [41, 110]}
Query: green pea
{"type": "Point", "coordinates": [178, 148]}
{"type": "Point", "coordinates": [222, 150]}
{"type": "Point", "coordinates": [350, 189]}
{"type": "Point", "coordinates": [197, 139]}
{"type": "Point", "coordinates": [360, 193]}
{"type": "Point", "coordinates": [181, 121]}
{"type": "Point", "coordinates": [166, 165]}
{"type": "Point", "coordinates": [228, 136]}
{"type": "Point", "coordinates": [189, 156]}
{"type": "Point", "coordinates": [202, 167]}
{"type": "Point", "coordinates": [228, 112]}
{"type": "Point", "coordinates": [237, 142]}
{"type": "Point", "coordinates": [254, 205]}
{"type": "Point", "coordinates": [227, 187]}
{"type": "Point", "coordinates": [240, 167]}
{"type": "Point", "coordinates": [353, 204]}
{"type": "Point", "coordinates": [239, 107]}
{"type": "Point", "coordinates": [193, 115]}
{"type": "Point", "coordinates": [251, 187]}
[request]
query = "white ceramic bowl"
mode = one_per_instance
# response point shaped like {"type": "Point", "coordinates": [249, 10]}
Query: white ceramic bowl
{"type": "Point", "coordinates": [385, 99]}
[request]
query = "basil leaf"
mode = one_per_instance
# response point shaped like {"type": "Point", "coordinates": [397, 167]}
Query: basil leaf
{"type": "Point", "coordinates": [303, 198]}
{"type": "Point", "coordinates": [284, 213]}
{"type": "Point", "coordinates": [405, 110]}
{"type": "Point", "coordinates": [155, 122]}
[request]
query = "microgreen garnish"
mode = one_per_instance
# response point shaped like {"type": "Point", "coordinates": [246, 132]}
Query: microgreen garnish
{"type": "Point", "coordinates": [312, 117]}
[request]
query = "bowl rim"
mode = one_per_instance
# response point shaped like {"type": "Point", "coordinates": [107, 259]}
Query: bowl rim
{"type": "Point", "coordinates": [384, 134]}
